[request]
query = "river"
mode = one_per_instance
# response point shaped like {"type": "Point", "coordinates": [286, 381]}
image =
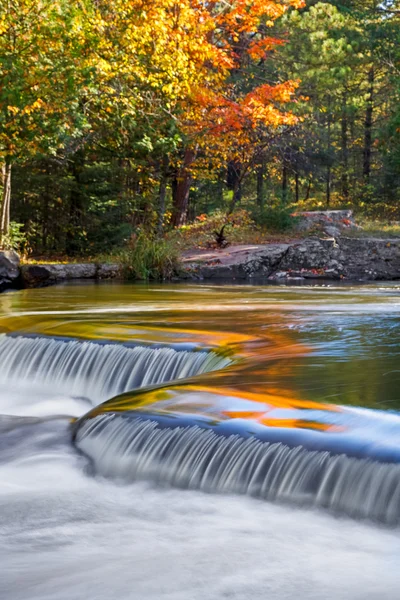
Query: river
{"type": "Point", "coordinates": [280, 367]}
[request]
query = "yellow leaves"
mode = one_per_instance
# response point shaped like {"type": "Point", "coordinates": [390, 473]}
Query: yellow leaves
{"type": "Point", "coordinates": [13, 109]}
{"type": "Point", "coordinates": [36, 105]}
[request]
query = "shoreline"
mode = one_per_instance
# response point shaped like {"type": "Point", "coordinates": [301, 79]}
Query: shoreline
{"type": "Point", "coordinates": [346, 259]}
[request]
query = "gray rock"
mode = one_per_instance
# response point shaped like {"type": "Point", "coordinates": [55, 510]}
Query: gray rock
{"type": "Point", "coordinates": [9, 269]}
{"type": "Point", "coordinates": [333, 231]}
{"type": "Point", "coordinates": [313, 258]}
{"type": "Point", "coordinates": [48, 274]}
{"type": "Point", "coordinates": [107, 271]}
{"type": "Point", "coordinates": [338, 220]}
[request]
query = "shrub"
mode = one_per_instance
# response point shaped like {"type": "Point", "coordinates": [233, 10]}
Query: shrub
{"type": "Point", "coordinates": [15, 239]}
{"type": "Point", "coordinates": [274, 218]}
{"type": "Point", "coordinates": [149, 258]}
{"type": "Point", "coordinates": [239, 228]}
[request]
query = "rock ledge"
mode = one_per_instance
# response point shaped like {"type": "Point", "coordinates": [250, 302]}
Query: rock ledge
{"type": "Point", "coordinates": [362, 259]}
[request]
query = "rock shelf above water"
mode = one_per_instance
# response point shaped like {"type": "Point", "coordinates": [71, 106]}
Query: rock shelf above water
{"type": "Point", "coordinates": [365, 259]}
{"type": "Point", "coordinates": [326, 258]}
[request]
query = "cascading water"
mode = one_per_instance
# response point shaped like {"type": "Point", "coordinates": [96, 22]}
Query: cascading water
{"type": "Point", "coordinates": [195, 458]}
{"type": "Point", "coordinates": [308, 417]}
{"type": "Point", "coordinates": [96, 370]}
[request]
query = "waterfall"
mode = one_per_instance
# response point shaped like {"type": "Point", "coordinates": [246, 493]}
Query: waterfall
{"type": "Point", "coordinates": [97, 370]}
{"type": "Point", "coordinates": [195, 458]}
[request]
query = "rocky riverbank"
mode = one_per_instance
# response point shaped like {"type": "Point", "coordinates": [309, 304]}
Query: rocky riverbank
{"type": "Point", "coordinates": [341, 258]}
{"type": "Point", "coordinates": [348, 258]}
{"type": "Point", "coordinates": [16, 276]}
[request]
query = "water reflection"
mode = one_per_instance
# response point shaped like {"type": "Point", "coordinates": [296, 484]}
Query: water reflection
{"type": "Point", "coordinates": [337, 345]}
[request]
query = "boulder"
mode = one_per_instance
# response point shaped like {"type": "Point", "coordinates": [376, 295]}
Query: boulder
{"type": "Point", "coordinates": [9, 269]}
{"type": "Point", "coordinates": [48, 274]}
{"type": "Point", "coordinates": [331, 222]}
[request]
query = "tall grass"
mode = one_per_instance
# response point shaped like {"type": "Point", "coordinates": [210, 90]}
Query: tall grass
{"type": "Point", "coordinates": [149, 258]}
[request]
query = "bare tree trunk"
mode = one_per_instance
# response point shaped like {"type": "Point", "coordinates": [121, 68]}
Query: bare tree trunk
{"type": "Point", "coordinates": [308, 191]}
{"type": "Point", "coordinates": [328, 185]}
{"type": "Point", "coordinates": [260, 184]}
{"type": "Point", "coordinates": [297, 186]}
{"type": "Point", "coordinates": [284, 183]}
{"type": "Point", "coordinates": [45, 210]}
{"type": "Point", "coordinates": [5, 201]}
{"type": "Point", "coordinates": [72, 245]}
{"type": "Point", "coordinates": [345, 150]}
{"type": "Point", "coordinates": [368, 127]}
{"type": "Point", "coordinates": [329, 168]}
{"type": "Point", "coordinates": [181, 189]}
{"type": "Point", "coordinates": [220, 189]}
{"type": "Point", "coordinates": [234, 183]}
{"type": "Point", "coordinates": [237, 195]}
{"type": "Point", "coordinates": [162, 194]}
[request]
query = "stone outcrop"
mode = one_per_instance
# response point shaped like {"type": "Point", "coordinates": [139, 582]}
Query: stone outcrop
{"type": "Point", "coordinates": [49, 274]}
{"type": "Point", "coordinates": [9, 270]}
{"type": "Point", "coordinates": [342, 258]}
{"type": "Point", "coordinates": [330, 222]}
{"type": "Point", "coordinates": [364, 259]}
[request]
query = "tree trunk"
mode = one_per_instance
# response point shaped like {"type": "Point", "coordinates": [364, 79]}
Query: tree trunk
{"type": "Point", "coordinates": [345, 150]}
{"type": "Point", "coordinates": [5, 201]}
{"type": "Point", "coordinates": [308, 191]}
{"type": "Point", "coordinates": [328, 168]}
{"type": "Point", "coordinates": [237, 195]}
{"type": "Point", "coordinates": [368, 127]}
{"type": "Point", "coordinates": [284, 183]}
{"type": "Point", "coordinates": [234, 183]}
{"type": "Point", "coordinates": [181, 189]}
{"type": "Point", "coordinates": [260, 184]}
{"type": "Point", "coordinates": [220, 189]}
{"type": "Point", "coordinates": [162, 194]}
{"type": "Point", "coordinates": [297, 186]}
{"type": "Point", "coordinates": [328, 186]}
{"type": "Point", "coordinates": [45, 209]}
{"type": "Point", "coordinates": [72, 246]}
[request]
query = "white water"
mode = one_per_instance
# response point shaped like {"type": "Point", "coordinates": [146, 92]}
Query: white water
{"type": "Point", "coordinates": [96, 371]}
{"type": "Point", "coordinates": [190, 457]}
{"type": "Point", "coordinates": [65, 535]}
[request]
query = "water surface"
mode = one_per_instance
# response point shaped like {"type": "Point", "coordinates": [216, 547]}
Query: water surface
{"type": "Point", "coordinates": [67, 532]}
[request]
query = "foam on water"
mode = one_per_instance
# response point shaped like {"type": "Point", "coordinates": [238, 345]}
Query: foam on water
{"type": "Point", "coordinates": [93, 370]}
{"type": "Point", "coordinates": [66, 536]}
{"type": "Point", "coordinates": [69, 533]}
{"type": "Point", "coordinates": [194, 458]}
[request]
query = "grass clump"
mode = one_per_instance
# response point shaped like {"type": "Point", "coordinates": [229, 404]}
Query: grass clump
{"type": "Point", "coordinates": [147, 257]}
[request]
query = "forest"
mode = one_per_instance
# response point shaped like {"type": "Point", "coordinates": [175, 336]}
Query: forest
{"type": "Point", "coordinates": [127, 118]}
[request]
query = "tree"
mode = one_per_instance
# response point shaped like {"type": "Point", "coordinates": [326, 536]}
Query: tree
{"type": "Point", "coordinates": [42, 68]}
{"type": "Point", "coordinates": [167, 70]}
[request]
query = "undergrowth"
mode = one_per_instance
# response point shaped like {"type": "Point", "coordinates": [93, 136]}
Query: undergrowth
{"type": "Point", "coordinates": [241, 227]}
{"type": "Point", "coordinates": [147, 257]}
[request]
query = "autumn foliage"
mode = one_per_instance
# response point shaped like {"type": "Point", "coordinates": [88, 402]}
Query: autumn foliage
{"type": "Point", "coordinates": [150, 79]}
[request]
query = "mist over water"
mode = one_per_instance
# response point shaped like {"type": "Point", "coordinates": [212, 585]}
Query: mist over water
{"type": "Point", "coordinates": [67, 533]}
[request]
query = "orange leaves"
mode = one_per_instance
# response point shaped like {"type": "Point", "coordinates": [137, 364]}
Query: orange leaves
{"type": "Point", "coordinates": [258, 49]}
{"type": "Point", "coordinates": [244, 16]}
{"type": "Point", "coordinates": [227, 127]}
{"type": "Point", "coordinates": [180, 55]}
{"type": "Point", "coordinates": [225, 122]}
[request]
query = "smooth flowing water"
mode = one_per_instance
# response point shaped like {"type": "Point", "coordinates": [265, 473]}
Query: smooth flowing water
{"type": "Point", "coordinates": [254, 451]}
